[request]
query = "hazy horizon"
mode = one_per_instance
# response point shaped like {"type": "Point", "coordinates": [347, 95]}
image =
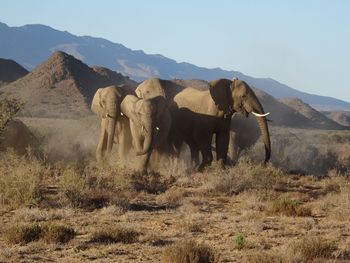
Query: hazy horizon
{"type": "Point", "coordinates": [301, 44]}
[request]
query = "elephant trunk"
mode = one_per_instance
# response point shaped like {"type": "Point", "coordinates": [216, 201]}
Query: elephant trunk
{"type": "Point", "coordinates": [147, 144]}
{"type": "Point", "coordinates": [257, 107]}
{"type": "Point", "coordinates": [111, 114]}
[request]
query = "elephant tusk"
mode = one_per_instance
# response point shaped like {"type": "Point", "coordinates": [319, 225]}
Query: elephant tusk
{"type": "Point", "coordinates": [260, 115]}
{"type": "Point", "coordinates": [121, 114]}
{"type": "Point", "coordinates": [157, 128]}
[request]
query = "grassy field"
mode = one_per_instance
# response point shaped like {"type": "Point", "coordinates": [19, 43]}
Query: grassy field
{"type": "Point", "coordinates": [66, 208]}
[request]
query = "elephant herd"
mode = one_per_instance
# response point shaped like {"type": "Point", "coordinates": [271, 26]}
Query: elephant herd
{"type": "Point", "coordinates": [163, 115]}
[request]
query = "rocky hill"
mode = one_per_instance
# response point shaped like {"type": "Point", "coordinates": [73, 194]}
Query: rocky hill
{"type": "Point", "coordinates": [62, 86]}
{"type": "Point", "coordinates": [10, 71]}
{"type": "Point", "coordinates": [320, 121]}
{"type": "Point", "coordinates": [341, 117]}
{"type": "Point", "coordinates": [22, 45]}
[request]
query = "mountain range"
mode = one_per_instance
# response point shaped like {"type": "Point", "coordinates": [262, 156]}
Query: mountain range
{"type": "Point", "coordinates": [31, 45]}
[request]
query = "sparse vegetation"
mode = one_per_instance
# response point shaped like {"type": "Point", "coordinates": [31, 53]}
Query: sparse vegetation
{"type": "Point", "coordinates": [239, 241]}
{"type": "Point", "coordinates": [311, 248]}
{"type": "Point", "coordinates": [189, 252]}
{"type": "Point", "coordinates": [115, 235]}
{"type": "Point", "coordinates": [53, 233]}
{"type": "Point", "coordinates": [288, 207]}
{"type": "Point", "coordinates": [20, 180]}
{"type": "Point", "coordinates": [22, 234]}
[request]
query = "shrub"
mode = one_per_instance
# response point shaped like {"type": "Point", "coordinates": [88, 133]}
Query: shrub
{"type": "Point", "coordinates": [239, 241]}
{"type": "Point", "coordinates": [244, 176]}
{"type": "Point", "coordinates": [310, 248]}
{"type": "Point", "coordinates": [152, 183]}
{"type": "Point", "coordinates": [189, 252]}
{"type": "Point", "coordinates": [264, 257]}
{"type": "Point", "coordinates": [115, 235]}
{"type": "Point", "coordinates": [19, 180]}
{"type": "Point", "coordinates": [288, 207]}
{"type": "Point", "coordinates": [8, 108]}
{"type": "Point", "coordinates": [53, 233]}
{"type": "Point", "coordinates": [22, 234]}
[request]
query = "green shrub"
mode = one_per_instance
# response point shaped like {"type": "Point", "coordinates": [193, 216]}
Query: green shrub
{"type": "Point", "coordinates": [239, 241]}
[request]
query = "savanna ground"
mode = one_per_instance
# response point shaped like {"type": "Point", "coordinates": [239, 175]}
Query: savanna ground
{"type": "Point", "coordinates": [67, 208]}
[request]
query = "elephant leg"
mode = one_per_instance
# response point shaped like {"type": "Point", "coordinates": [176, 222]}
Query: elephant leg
{"type": "Point", "coordinates": [207, 157]}
{"type": "Point", "coordinates": [144, 163]}
{"type": "Point", "coordinates": [102, 143]}
{"type": "Point", "coordinates": [136, 136]}
{"type": "Point", "coordinates": [222, 141]}
{"type": "Point", "coordinates": [194, 155]}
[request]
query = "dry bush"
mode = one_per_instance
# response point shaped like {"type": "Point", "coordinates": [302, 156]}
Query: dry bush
{"type": "Point", "coordinates": [20, 179]}
{"type": "Point", "coordinates": [172, 197]}
{"type": "Point", "coordinates": [288, 207]}
{"type": "Point", "coordinates": [115, 235]}
{"type": "Point", "coordinates": [311, 248]}
{"type": "Point", "coordinates": [93, 187]}
{"type": "Point", "coordinates": [8, 109]}
{"type": "Point", "coordinates": [190, 252]}
{"type": "Point", "coordinates": [244, 176]}
{"type": "Point", "coordinates": [22, 234]}
{"type": "Point", "coordinates": [152, 183]}
{"type": "Point", "coordinates": [301, 153]}
{"type": "Point", "coordinates": [264, 257]}
{"type": "Point", "coordinates": [53, 233]}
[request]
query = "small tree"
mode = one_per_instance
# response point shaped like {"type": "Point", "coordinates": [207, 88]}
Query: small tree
{"type": "Point", "coordinates": [8, 109]}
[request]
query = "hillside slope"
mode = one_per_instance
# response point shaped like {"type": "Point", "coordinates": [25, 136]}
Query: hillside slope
{"type": "Point", "coordinates": [10, 71]}
{"type": "Point", "coordinates": [62, 86]}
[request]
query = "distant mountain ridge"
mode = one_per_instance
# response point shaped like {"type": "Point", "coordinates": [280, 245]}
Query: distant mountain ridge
{"type": "Point", "coordinates": [30, 45]}
{"type": "Point", "coordinates": [10, 71]}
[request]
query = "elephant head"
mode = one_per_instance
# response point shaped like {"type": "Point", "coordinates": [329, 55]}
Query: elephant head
{"type": "Point", "coordinates": [106, 104]}
{"type": "Point", "coordinates": [236, 96]}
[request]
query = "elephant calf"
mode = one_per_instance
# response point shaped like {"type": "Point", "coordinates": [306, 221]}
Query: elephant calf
{"type": "Point", "coordinates": [149, 124]}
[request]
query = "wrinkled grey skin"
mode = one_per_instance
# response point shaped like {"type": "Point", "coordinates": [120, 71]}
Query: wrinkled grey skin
{"type": "Point", "coordinates": [149, 125]}
{"type": "Point", "coordinates": [199, 114]}
{"type": "Point", "coordinates": [114, 126]}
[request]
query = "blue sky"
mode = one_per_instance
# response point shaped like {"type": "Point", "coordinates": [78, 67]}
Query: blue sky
{"type": "Point", "coordinates": [302, 43]}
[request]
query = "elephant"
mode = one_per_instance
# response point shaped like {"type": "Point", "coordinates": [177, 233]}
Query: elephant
{"type": "Point", "coordinates": [199, 114]}
{"type": "Point", "coordinates": [149, 125]}
{"type": "Point", "coordinates": [106, 104]}
{"type": "Point", "coordinates": [16, 135]}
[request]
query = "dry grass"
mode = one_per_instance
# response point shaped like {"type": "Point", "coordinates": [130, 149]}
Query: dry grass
{"type": "Point", "coordinates": [20, 180]}
{"type": "Point", "coordinates": [190, 252]}
{"type": "Point", "coordinates": [288, 207]}
{"type": "Point", "coordinates": [50, 233]}
{"type": "Point", "coordinates": [110, 235]}
{"type": "Point", "coordinates": [152, 183]}
{"type": "Point", "coordinates": [244, 176]}
{"type": "Point", "coordinates": [22, 234]}
{"type": "Point", "coordinates": [265, 257]}
{"type": "Point", "coordinates": [311, 248]}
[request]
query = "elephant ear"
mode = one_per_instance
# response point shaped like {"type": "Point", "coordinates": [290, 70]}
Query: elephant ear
{"type": "Point", "coordinates": [161, 106]}
{"type": "Point", "coordinates": [96, 105]}
{"type": "Point", "coordinates": [221, 92]}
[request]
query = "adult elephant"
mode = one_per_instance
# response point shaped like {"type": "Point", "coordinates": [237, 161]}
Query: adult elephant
{"type": "Point", "coordinates": [199, 114]}
{"type": "Point", "coordinates": [149, 125]}
{"type": "Point", "coordinates": [106, 104]}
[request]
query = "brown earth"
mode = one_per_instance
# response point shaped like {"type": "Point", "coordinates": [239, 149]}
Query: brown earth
{"type": "Point", "coordinates": [341, 117]}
